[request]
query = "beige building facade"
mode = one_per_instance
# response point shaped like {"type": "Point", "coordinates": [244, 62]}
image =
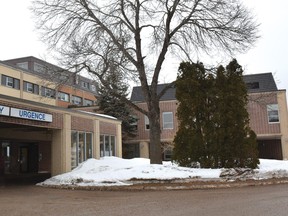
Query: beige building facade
{"type": "Point", "coordinates": [37, 135]}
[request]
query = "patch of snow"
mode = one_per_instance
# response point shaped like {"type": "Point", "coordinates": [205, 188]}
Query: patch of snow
{"type": "Point", "coordinates": [113, 171]}
{"type": "Point", "coordinates": [97, 114]}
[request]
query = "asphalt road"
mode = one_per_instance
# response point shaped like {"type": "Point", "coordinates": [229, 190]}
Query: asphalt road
{"type": "Point", "coordinates": [249, 201]}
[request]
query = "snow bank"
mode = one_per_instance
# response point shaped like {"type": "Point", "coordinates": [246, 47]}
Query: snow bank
{"type": "Point", "coordinates": [113, 171]}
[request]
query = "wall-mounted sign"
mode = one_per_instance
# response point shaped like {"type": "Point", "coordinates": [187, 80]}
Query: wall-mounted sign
{"type": "Point", "coordinates": [32, 115]}
{"type": "Point", "coordinates": [25, 114]}
{"type": "Point", "coordinates": [4, 110]}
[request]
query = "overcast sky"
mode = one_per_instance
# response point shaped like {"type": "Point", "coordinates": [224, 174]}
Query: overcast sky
{"type": "Point", "coordinates": [18, 37]}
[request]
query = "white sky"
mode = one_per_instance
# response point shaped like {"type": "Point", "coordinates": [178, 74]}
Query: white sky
{"type": "Point", "coordinates": [18, 37]}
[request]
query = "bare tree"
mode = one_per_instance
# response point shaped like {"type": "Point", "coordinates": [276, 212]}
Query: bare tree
{"type": "Point", "coordinates": [135, 36]}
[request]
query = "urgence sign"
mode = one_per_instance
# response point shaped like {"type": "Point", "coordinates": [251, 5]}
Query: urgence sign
{"type": "Point", "coordinates": [25, 114]}
{"type": "Point", "coordinates": [4, 110]}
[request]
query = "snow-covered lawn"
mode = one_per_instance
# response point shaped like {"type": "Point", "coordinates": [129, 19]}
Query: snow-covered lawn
{"type": "Point", "coordinates": [113, 171]}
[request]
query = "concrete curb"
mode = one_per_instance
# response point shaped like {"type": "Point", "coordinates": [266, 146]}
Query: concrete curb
{"type": "Point", "coordinates": [176, 185]}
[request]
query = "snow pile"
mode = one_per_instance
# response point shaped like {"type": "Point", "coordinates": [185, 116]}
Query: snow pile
{"type": "Point", "coordinates": [113, 171]}
{"type": "Point", "coordinates": [272, 169]}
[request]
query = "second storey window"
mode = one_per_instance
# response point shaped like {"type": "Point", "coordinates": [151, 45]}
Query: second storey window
{"type": "Point", "coordinates": [167, 120]}
{"type": "Point", "coordinates": [10, 82]}
{"type": "Point", "coordinates": [88, 102]}
{"type": "Point", "coordinates": [273, 113]}
{"type": "Point", "coordinates": [76, 100]}
{"type": "Point", "coordinates": [48, 92]}
{"type": "Point", "coordinates": [31, 87]}
{"type": "Point", "coordinates": [63, 96]}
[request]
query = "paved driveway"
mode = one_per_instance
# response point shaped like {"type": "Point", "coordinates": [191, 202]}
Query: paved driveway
{"type": "Point", "coordinates": [32, 200]}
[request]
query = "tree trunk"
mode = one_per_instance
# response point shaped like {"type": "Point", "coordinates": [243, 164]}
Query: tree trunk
{"type": "Point", "coordinates": [155, 137]}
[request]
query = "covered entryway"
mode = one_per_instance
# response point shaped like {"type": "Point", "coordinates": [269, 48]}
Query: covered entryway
{"type": "Point", "coordinates": [25, 153]}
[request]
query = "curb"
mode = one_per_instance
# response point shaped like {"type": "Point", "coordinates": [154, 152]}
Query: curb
{"type": "Point", "coordinates": [176, 185]}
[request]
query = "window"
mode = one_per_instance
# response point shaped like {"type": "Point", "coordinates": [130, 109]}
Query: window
{"type": "Point", "coordinates": [10, 82]}
{"type": "Point", "coordinates": [107, 145]}
{"type": "Point", "coordinates": [134, 124]}
{"type": "Point", "coordinates": [85, 85]}
{"type": "Point", "coordinates": [167, 120]}
{"type": "Point", "coordinates": [39, 68]}
{"type": "Point", "coordinates": [63, 96]}
{"type": "Point", "coordinates": [93, 88]}
{"type": "Point", "coordinates": [88, 102]}
{"type": "Point", "coordinates": [23, 65]}
{"type": "Point", "coordinates": [30, 87]}
{"type": "Point", "coordinates": [47, 92]}
{"type": "Point", "coordinates": [167, 155]}
{"type": "Point", "coordinates": [76, 100]}
{"type": "Point", "coordinates": [273, 113]}
{"type": "Point", "coordinates": [6, 155]}
{"type": "Point", "coordinates": [252, 85]}
{"type": "Point", "coordinates": [147, 124]}
{"type": "Point", "coordinates": [81, 147]}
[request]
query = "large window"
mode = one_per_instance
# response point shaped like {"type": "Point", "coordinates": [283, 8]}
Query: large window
{"type": "Point", "coordinates": [39, 68]}
{"type": "Point", "coordinates": [81, 147]}
{"type": "Point", "coordinates": [107, 145]}
{"type": "Point", "coordinates": [31, 87]}
{"type": "Point", "coordinates": [63, 96]}
{"type": "Point", "coordinates": [48, 92]}
{"type": "Point", "coordinates": [167, 120]}
{"type": "Point", "coordinates": [273, 113]}
{"type": "Point", "coordinates": [76, 100]}
{"type": "Point", "coordinates": [88, 102]}
{"type": "Point", "coordinates": [10, 82]}
{"type": "Point", "coordinates": [23, 65]}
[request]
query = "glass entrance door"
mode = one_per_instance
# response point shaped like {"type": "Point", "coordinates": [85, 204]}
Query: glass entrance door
{"type": "Point", "coordinates": [5, 157]}
{"type": "Point", "coordinates": [23, 159]}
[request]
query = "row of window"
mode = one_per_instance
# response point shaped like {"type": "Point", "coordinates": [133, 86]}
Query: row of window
{"type": "Point", "coordinates": [46, 92]}
{"type": "Point", "coordinates": [39, 68]}
{"type": "Point", "coordinates": [82, 147]}
{"type": "Point", "coordinates": [74, 99]}
{"type": "Point", "coordinates": [168, 123]}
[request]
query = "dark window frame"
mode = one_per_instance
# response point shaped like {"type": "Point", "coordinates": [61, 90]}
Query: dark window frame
{"type": "Point", "coordinates": [15, 83]}
{"type": "Point", "coordinates": [35, 87]}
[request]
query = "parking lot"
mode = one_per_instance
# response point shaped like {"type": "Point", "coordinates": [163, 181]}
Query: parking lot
{"type": "Point", "coordinates": [32, 200]}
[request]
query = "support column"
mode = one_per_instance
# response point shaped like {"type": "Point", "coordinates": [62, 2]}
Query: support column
{"type": "Point", "coordinates": [119, 140]}
{"type": "Point", "coordinates": [282, 103]}
{"type": "Point", "coordinates": [96, 139]}
{"type": "Point", "coordinates": [61, 148]}
{"type": "Point", "coordinates": [144, 149]}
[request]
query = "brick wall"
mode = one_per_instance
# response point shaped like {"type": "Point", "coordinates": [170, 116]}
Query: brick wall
{"type": "Point", "coordinates": [257, 109]}
{"type": "Point", "coordinates": [81, 124]}
{"type": "Point", "coordinates": [167, 134]}
{"type": "Point", "coordinates": [107, 128]}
